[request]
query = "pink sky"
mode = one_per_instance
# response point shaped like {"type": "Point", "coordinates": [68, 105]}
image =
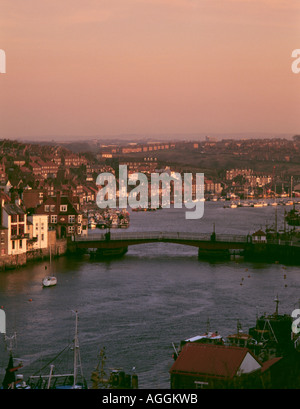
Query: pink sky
{"type": "Point", "coordinates": [90, 67]}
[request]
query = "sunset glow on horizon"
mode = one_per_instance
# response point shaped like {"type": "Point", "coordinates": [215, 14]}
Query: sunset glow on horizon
{"type": "Point", "coordinates": [110, 67]}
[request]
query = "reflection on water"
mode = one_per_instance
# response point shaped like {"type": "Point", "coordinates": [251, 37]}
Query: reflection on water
{"type": "Point", "coordinates": [138, 305]}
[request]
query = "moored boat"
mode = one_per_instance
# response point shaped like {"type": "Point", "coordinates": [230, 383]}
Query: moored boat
{"type": "Point", "coordinates": [69, 380]}
{"type": "Point", "coordinates": [49, 281]}
{"type": "Point", "coordinates": [207, 338]}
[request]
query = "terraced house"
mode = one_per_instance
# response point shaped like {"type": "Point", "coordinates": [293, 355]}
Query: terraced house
{"type": "Point", "coordinates": [14, 218]}
{"type": "Point", "coordinates": [63, 215]}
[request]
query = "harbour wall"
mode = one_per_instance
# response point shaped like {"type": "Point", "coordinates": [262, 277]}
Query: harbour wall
{"type": "Point", "coordinates": [59, 247]}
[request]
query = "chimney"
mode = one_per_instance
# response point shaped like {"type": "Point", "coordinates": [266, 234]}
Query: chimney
{"type": "Point", "coordinates": [58, 197]}
{"type": "Point", "coordinates": [18, 201]}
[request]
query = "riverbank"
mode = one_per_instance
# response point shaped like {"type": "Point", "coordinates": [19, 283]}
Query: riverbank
{"type": "Point", "coordinates": [59, 247]}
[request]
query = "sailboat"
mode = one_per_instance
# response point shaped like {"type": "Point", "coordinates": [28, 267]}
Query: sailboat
{"type": "Point", "coordinates": [49, 280]}
{"type": "Point", "coordinates": [69, 380]}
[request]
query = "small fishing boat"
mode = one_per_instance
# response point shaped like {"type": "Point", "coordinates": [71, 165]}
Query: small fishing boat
{"type": "Point", "coordinates": [73, 379]}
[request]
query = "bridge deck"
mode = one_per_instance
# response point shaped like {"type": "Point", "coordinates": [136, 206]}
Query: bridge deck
{"type": "Point", "coordinates": [201, 240]}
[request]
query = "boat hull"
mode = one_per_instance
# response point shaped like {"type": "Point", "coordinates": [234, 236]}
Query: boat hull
{"type": "Point", "coordinates": [49, 281]}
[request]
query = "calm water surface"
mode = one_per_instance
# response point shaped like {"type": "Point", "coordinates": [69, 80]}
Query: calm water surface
{"type": "Point", "coordinates": [138, 305]}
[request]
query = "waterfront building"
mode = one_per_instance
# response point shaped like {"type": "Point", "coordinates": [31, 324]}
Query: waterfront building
{"type": "Point", "coordinates": [207, 366]}
{"type": "Point", "coordinates": [14, 218]}
{"type": "Point", "coordinates": [211, 366]}
{"type": "Point", "coordinates": [37, 226]}
{"type": "Point", "coordinates": [63, 217]}
{"type": "Point", "coordinates": [259, 237]}
{"type": "Point", "coordinates": [3, 241]}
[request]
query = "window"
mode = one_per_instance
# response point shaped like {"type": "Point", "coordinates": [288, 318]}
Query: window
{"type": "Point", "coordinates": [21, 218]}
{"type": "Point", "coordinates": [47, 207]}
{"type": "Point", "coordinates": [13, 245]}
{"type": "Point", "coordinates": [2, 251]}
{"type": "Point", "coordinates": [52, 208]}
{"type": "Point", "coordinates": [14, 230]}
{"type": "Point", "coordinates": [54, 219]}
{"type": "Point", "coordinates": [71, 218]}
{"type": "Point", "coordinates": [2, 240]}
{"type": "Point", "coordinates": [71, 229]}
{"type": "Point", "coordinates": [43, 237]}
{"type": "Point", "coordinates": [63, 208]}
{"type": "Point", "coordinates": [14, 218]}
{"type": "Point", "coordinates": [21, 244]}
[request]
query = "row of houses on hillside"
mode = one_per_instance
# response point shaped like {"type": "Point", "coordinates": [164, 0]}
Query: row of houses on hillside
{"type": "Point", "coordinates": [23, 230]}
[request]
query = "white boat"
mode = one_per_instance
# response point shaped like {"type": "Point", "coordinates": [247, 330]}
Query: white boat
{"type": "Point", "coordinates": [49, 281]}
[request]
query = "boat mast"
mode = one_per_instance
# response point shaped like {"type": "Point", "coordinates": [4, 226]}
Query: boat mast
{"type": "Point", "coordinates": [75, 349]}
{"type": "Point", "coordinates": [277, 302]}
{"type": "Point", "coordinates": [77, 360]}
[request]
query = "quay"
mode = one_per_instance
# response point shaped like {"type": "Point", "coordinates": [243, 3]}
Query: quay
{"type": "Point", "coordinates": [209, 245]}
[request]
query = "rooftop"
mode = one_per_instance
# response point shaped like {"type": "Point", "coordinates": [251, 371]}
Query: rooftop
{"type": "Point", "coordinates": [210, 360]}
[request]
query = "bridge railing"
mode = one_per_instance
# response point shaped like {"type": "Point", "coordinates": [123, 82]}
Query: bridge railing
{"type": "Point", "coordinates": [293, 243]}
{"type": "Point", "coordinates": [155, 235]}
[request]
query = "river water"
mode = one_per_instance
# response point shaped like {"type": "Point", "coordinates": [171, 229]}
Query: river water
{"type": "Point", "coordinates": [138, 305]}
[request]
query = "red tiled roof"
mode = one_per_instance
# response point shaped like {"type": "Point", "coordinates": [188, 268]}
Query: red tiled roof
{"type": "Point", "coordinates": [209, 360]}
{"type": "Point", "coordinates": [269, 363]}
{"type": "Point", "coordinates": [259, 233]}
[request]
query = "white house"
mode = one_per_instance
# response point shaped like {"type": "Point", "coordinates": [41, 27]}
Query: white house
{"type": "Point", "coordinates": [15, 220]}
{"type": "Point", "coordinates": [259, 237]}
{"type": "Point", "coordinates": [38, 231]}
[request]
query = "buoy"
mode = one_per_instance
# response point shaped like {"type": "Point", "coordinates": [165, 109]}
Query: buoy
{"type": "Point", "coordinates": [30, 299]}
